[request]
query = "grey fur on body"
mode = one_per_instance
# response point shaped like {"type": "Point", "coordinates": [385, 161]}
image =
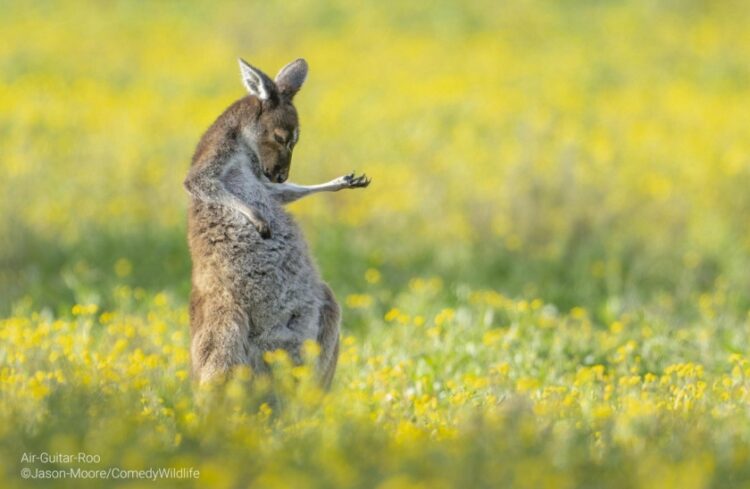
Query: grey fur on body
{"type": "Point", "coordinates": [255, 287]}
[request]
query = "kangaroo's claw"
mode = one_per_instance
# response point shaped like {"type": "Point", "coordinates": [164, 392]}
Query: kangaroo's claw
{"type": "Point", "coordinates": [357, 182]}
{"type": "Point", "coordinates": [362, 181]}
{"type": "Point", "coordinates": [264, 229]}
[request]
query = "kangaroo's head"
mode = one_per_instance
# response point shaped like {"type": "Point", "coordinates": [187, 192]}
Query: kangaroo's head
{"type": "Point", "coordinates": [276, 128]}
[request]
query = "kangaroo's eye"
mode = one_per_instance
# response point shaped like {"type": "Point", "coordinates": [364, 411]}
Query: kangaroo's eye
{"type": "Point", "coordinates": [279, 139]}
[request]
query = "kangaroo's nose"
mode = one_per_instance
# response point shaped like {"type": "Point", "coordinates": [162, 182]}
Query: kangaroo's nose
{"type": "Point", "coordinates": [280, 178]}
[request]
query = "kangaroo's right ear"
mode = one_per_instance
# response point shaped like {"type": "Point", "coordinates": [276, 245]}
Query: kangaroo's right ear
{"type": "Point", "coordinates": [256, 82]}
{"type": "Point", "coordinates": [291, 77]}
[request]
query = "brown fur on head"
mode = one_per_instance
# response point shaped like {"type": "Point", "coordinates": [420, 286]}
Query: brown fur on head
{"type": "Point", "coordinates": [277, 128]}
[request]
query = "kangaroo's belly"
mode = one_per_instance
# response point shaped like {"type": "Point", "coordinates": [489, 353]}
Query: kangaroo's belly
{"type": "Point", "coordinates": [273, 281]}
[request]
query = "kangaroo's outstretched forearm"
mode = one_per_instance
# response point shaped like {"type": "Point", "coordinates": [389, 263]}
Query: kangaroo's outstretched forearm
{"type": "Point", "coordinates": [289, 192]}
{"type": "Point", "coordinates": [206, 182]}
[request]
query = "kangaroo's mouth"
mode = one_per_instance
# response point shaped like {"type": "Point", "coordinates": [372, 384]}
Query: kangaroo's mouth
{"type": "Point", "coordinates": [276, 177]}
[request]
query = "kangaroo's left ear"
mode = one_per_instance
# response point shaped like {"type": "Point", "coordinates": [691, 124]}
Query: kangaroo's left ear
{"type": "Point", "coordinates": [256, 82]}
{"type": "Point", "coordinates": [291, 77]}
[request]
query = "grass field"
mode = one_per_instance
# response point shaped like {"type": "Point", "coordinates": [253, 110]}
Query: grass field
{"type": "Point", "coordinates": [546, 285]}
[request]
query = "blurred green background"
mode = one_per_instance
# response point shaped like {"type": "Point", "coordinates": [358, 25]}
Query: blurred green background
{"type": "Point", "coordinates": [587, 153]}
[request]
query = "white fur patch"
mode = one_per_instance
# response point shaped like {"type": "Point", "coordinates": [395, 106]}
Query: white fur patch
{"type": "Point", "coordinates": [253, 81]}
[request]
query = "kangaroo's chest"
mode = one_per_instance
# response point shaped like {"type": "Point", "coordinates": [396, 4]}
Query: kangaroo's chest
{"type": "Point", "coordinates": [227, 247]}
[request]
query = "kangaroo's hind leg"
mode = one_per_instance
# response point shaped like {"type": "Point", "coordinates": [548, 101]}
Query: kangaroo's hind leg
{"type": "Point", "coordinates": [328, 337]}
{"type": "Point", "coordinates": [220, 339]}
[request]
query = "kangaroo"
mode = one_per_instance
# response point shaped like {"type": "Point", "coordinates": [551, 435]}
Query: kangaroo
{"type": "Point", "coordinates": [255, 287]}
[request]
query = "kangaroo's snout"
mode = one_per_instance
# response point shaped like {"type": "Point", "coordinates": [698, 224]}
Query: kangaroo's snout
{"type": "Point", "coordinates": [278, 174]}
{"type": "Point", "coordinates": [281, 171]}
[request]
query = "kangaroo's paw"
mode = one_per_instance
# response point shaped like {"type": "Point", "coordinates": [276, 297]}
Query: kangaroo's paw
{"type": "Point", "coordinates": [352, 181]}
{"type": "Point", "coordinates": [263, 229]}
{"type": "Point", "coordinates": [260, 224]}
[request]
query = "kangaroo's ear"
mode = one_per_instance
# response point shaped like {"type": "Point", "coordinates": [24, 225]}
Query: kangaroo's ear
{"type": "Point", "coordinates": [256, 82]}
{"type": "Point", "coordinates": [291, 77]}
